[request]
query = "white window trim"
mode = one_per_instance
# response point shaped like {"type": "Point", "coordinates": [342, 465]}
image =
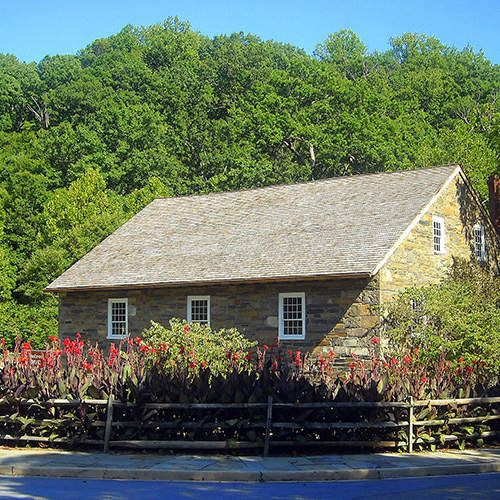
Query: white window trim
{"type": "Point", "coordinates": [189, 307]}
{"type": "Point", "coordinates": [110, 318]}
{"type": "Point", "coordinates": [281, 327]}
{"type": "Point", "coordinates": [442, 238]}
{"type": "Point", "coordinates": [481, 255]}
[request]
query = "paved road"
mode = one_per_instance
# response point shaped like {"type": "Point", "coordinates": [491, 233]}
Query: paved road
{"type": "Point", "coordinates": [466, 487]}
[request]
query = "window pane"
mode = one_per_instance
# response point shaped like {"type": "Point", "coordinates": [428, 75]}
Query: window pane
{"type": "Point", "coordinates": [199, 310]}
{"type": "Point", "coordinates": [437, 236]}
{"type": "Point", "coordinates": [479, 242]}
{"type": "Point", "coordinates": [292, 316]}
{"type": "Point", "coordinates": [118, 318]}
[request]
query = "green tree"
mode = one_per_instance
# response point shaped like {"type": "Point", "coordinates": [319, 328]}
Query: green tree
{"type": "Point", "coordinates": [74, 220]}
{"type": "Point", "coordinates": [19, 94]}
{"type": "Point", "coordinates": [347, 52]}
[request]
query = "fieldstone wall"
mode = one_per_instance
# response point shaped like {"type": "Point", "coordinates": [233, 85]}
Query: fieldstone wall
{"type": "Point", "coordinates": [337, 311]}
{"type": "Point", "coordinates": [414, 263]}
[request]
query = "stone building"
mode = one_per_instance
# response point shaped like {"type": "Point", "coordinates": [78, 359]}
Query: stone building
{"type": "Point", "coordinates": [306, 263]}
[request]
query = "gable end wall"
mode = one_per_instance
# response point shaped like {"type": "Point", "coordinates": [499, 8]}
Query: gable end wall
{"type": "Point", "coordinates": [414, 262]}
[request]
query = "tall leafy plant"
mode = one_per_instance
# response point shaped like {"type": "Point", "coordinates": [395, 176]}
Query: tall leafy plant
{"type": "Point", "coordinates": [459, 317]}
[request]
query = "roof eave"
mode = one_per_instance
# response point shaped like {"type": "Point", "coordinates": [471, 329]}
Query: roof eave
{"type": "Point", "coordinates": [239, 281]}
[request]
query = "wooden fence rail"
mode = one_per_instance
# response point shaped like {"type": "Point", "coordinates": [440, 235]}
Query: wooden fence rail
{"type": "Point", "coordinates": [271, 424]}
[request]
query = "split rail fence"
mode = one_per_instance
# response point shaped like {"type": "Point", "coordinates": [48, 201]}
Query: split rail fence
{"type": "Point", "coordinates": [378, 425]}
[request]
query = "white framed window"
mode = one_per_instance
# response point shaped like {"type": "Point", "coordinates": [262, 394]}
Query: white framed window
{"type": "Point", "coordinates": [438, 235]}
{"type": "Point", "coordinates": [198, 309]}
{"type": "Point", "coordinates": [292, 316]}
{"type": "Point", "coordinates": [479, 242]}
{"type": "Point", "coordinates": [117, 318]}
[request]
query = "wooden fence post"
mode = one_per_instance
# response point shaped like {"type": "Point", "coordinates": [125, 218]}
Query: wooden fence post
{"type": "Point", "coordinates": [268, 425]}
{"type": "Point", "coordinates": [410, 425]}
{"type": "Point", "coordinates": [109, 421]}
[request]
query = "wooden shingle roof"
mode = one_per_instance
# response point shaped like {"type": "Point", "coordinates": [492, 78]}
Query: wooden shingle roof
{"type": "Point", "coordinates": [343, 226]}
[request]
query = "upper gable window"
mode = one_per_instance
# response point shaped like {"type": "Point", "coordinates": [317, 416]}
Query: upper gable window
{"type": "Point", "coordinates": [438, 234]}
{"type": "Point", "coordinates": [117, 318]}
{"type": "Point", "coordinates": [479, 242]}
{"type": "Point", "coordinates": [198, 309]}
{"type": "Point", "coordinates": [292, 316]}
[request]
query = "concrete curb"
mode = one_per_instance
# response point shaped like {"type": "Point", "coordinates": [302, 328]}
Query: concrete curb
{"type": "Point", "coordinates": [246, 475]}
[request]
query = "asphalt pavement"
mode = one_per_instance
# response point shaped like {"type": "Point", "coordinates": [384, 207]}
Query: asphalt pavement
{"type": "Point", "coordinates": [36, 462]}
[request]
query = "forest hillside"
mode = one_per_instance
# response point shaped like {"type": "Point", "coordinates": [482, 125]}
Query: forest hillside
{"type": "Point", "coordinates": [87, 140]}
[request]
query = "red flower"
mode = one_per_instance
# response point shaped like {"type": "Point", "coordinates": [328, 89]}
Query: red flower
{"type": "Point", "coordinates": [266, 347]}
{"type": "Point", "coordinates": [187, 329]}
{"type": "Point", "coordinates": [137, 340]}
{"type": "Point", "coordinates": [461, 360]}
{"type": "Point", "coordinates": [424, 380]}
{"type": "Point", "coordinates": [375, 341]}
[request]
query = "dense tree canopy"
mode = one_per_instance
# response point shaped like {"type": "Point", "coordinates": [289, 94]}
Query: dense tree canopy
{"type": "Point", "coordinates": [86, 140]}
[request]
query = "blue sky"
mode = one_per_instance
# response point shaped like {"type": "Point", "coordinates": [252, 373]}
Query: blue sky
{"type": "Point", "coordinates": [31, 29]}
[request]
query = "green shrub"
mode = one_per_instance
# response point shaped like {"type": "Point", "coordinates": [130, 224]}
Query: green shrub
{"type": "Point", "coordinates": [459, 317]}
{"type": "Point", "coordinates": [194, 347]}
{"type": "Point", "coordinates": [29, 322]}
